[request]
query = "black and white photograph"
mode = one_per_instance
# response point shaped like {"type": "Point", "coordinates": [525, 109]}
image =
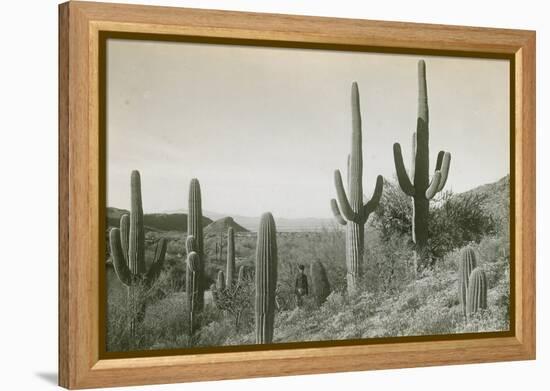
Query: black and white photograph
{"type": "Point", "coordinates": [269, 195]}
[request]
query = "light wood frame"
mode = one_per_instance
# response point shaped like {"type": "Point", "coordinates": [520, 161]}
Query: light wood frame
{"type": "Point", "coordinates": [80, 164]}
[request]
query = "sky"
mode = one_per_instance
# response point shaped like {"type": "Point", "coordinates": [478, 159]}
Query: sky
{"type": "Point", "coordinates": [263, 129]}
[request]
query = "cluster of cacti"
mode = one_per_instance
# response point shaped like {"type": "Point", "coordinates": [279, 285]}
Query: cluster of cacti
{"type": "Point", "coordinates": [266, 279]}
{"type": "Point", "coordinates": [230, 266]}
{"type": "Point", "coordinates": [468, 262]}
{"type": "Point", "coordinates": [417, 184]}
{"type": "Point", "coordinates": [128, 253]}
{"type": "Point", "coordinates": [350, 210]}
{"type": "Point", "coordinates": [472, 283]}
{"type": "Point", "coordinates": [320, 286]}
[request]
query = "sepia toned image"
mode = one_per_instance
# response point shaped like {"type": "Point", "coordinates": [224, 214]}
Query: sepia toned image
{"type": "Point", "coordinates": [270, 195]}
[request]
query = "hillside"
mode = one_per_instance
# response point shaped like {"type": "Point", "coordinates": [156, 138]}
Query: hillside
{"type": "Point", "coordinates": [495, 197]}
{"type": "Point", "coordinates": [222, 225]}
{"type": "Point", "coordinates": [155, 221]}
{"type": "Point", "coordinates": [497, 193]}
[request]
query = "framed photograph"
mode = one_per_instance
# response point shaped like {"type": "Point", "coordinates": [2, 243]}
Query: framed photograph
{"type": "Point", "coordinates": [247, 195]}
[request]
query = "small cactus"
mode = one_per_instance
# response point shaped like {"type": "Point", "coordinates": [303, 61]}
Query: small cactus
{"type": "Point", "coordinates": [320, 286]}
{"type": "Point", "coordinates": [477, 292]}
{"type": "Point", "coordinates": [266, 279]}
{"type": "Point", "coordinates": [230, 267]}
{"type": "Point", "coordinates": [192, 289]}
{"type": "Point", "coordinates": [195, 229]}
{"type": "Point", "coordinates": [468, 262]}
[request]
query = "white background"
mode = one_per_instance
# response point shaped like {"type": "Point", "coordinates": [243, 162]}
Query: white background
{"type": "Point", "coordinates": [28, 153]}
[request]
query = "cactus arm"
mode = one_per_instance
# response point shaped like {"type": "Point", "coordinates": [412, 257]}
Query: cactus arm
{"type": "Point", "coordinates": [158, 261]}
{"type": "Point", "coordinates": [431, 191]}
{"type": "Point", "coordinates": [445, 166]}
{"type": "Point", "coordinates": [402, 176]}
{"type": "Point", "coordinates": [121, 266]}
{"type": "Point", "coordinates": [439, 160]}
{"type": "Point", "coordinates": [125, 234]}
{"type": "Point", "coordinates": [336, 212]}
{"type": "Point", "coordinates": [345, 206]}
{"type": "Point", "coordinates": [375, 199]}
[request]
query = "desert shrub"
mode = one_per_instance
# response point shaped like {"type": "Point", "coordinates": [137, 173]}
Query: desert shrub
{"type": "Point", "coordinates": [171, 279]}
{"type": "Point", "coordinates": [456, 220]}
{"type": "Point", "coordinates": [236, 303]}
{"type": "Point", "coordinates": [494, 248]}
{"type": "Point", "coordinates": [394, 212]}
{"type": "Point", "coordinates": [388, 264]}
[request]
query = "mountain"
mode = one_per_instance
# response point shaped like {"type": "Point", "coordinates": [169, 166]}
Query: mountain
{"type": "Point", "coordinates": [222, 225]}
{"type": "Point", "coordinates": [155, 221]}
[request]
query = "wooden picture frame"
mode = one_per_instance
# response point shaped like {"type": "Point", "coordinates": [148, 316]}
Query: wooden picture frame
{"type": "Point", "coordinates": [82, 160]}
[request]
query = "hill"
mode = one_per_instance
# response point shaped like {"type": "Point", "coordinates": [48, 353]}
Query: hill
{"type": "Point", "coordinates": [495, 196]}
{"type": "Point", "coordinates": [222, 225]}
{"type": "Point", "coordinates": [155, 221]}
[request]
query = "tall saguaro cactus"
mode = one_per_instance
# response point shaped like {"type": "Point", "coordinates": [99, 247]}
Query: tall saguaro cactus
{"type": "Point", "coordinates": [128, 252]}
{"type": "Point", "coordinates": [468, 262]}
{"type": "Point", "coordinates": [477, 292]}
{"type": "Point", "coordinates": [266, 279]}
{"type": "Point", "coordinates": [417, 184]}
{"type": "Point", "coordinates": [195, 229]}
{"type": "Point", "coordinates": [230, 267]}
{"type": "Point", "coordinates": [354, 213]}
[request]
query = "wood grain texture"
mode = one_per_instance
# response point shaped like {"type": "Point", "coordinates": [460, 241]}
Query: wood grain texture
{"type": "Point", "coordinates": [80, 365]}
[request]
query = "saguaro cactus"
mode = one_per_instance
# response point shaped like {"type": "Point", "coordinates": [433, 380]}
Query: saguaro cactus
{"type": "Point", "coordinates": [195, 229]}
{"type": "Point", "coordinates": [320, 287]}
{"type": "Point", "coordinates": [468, 262]}
{"type": "Point", "coordinates": [128, 253]}
{"type": "Point", "coordinates": [477, 292]}
{"type": "Point", "coordinates": [192, 283]}
{"type": "Point", "coordinates": [354, 213]}
{"type": "Point", "coordinates": [230, 267]}
{"type": "Point", "coordinates": [266, 279]}
{"type": "Point", "coordinates": [417, 185]}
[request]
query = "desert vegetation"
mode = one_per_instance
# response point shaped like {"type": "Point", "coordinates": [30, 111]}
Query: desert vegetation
{"type": "Point", "coordinates": [412, 260]}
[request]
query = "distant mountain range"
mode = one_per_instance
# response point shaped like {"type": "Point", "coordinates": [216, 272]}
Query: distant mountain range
{"type": "Point", "coordinates": [155, 221]}
{"type": "Point", "coordinates": [497, 197]}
